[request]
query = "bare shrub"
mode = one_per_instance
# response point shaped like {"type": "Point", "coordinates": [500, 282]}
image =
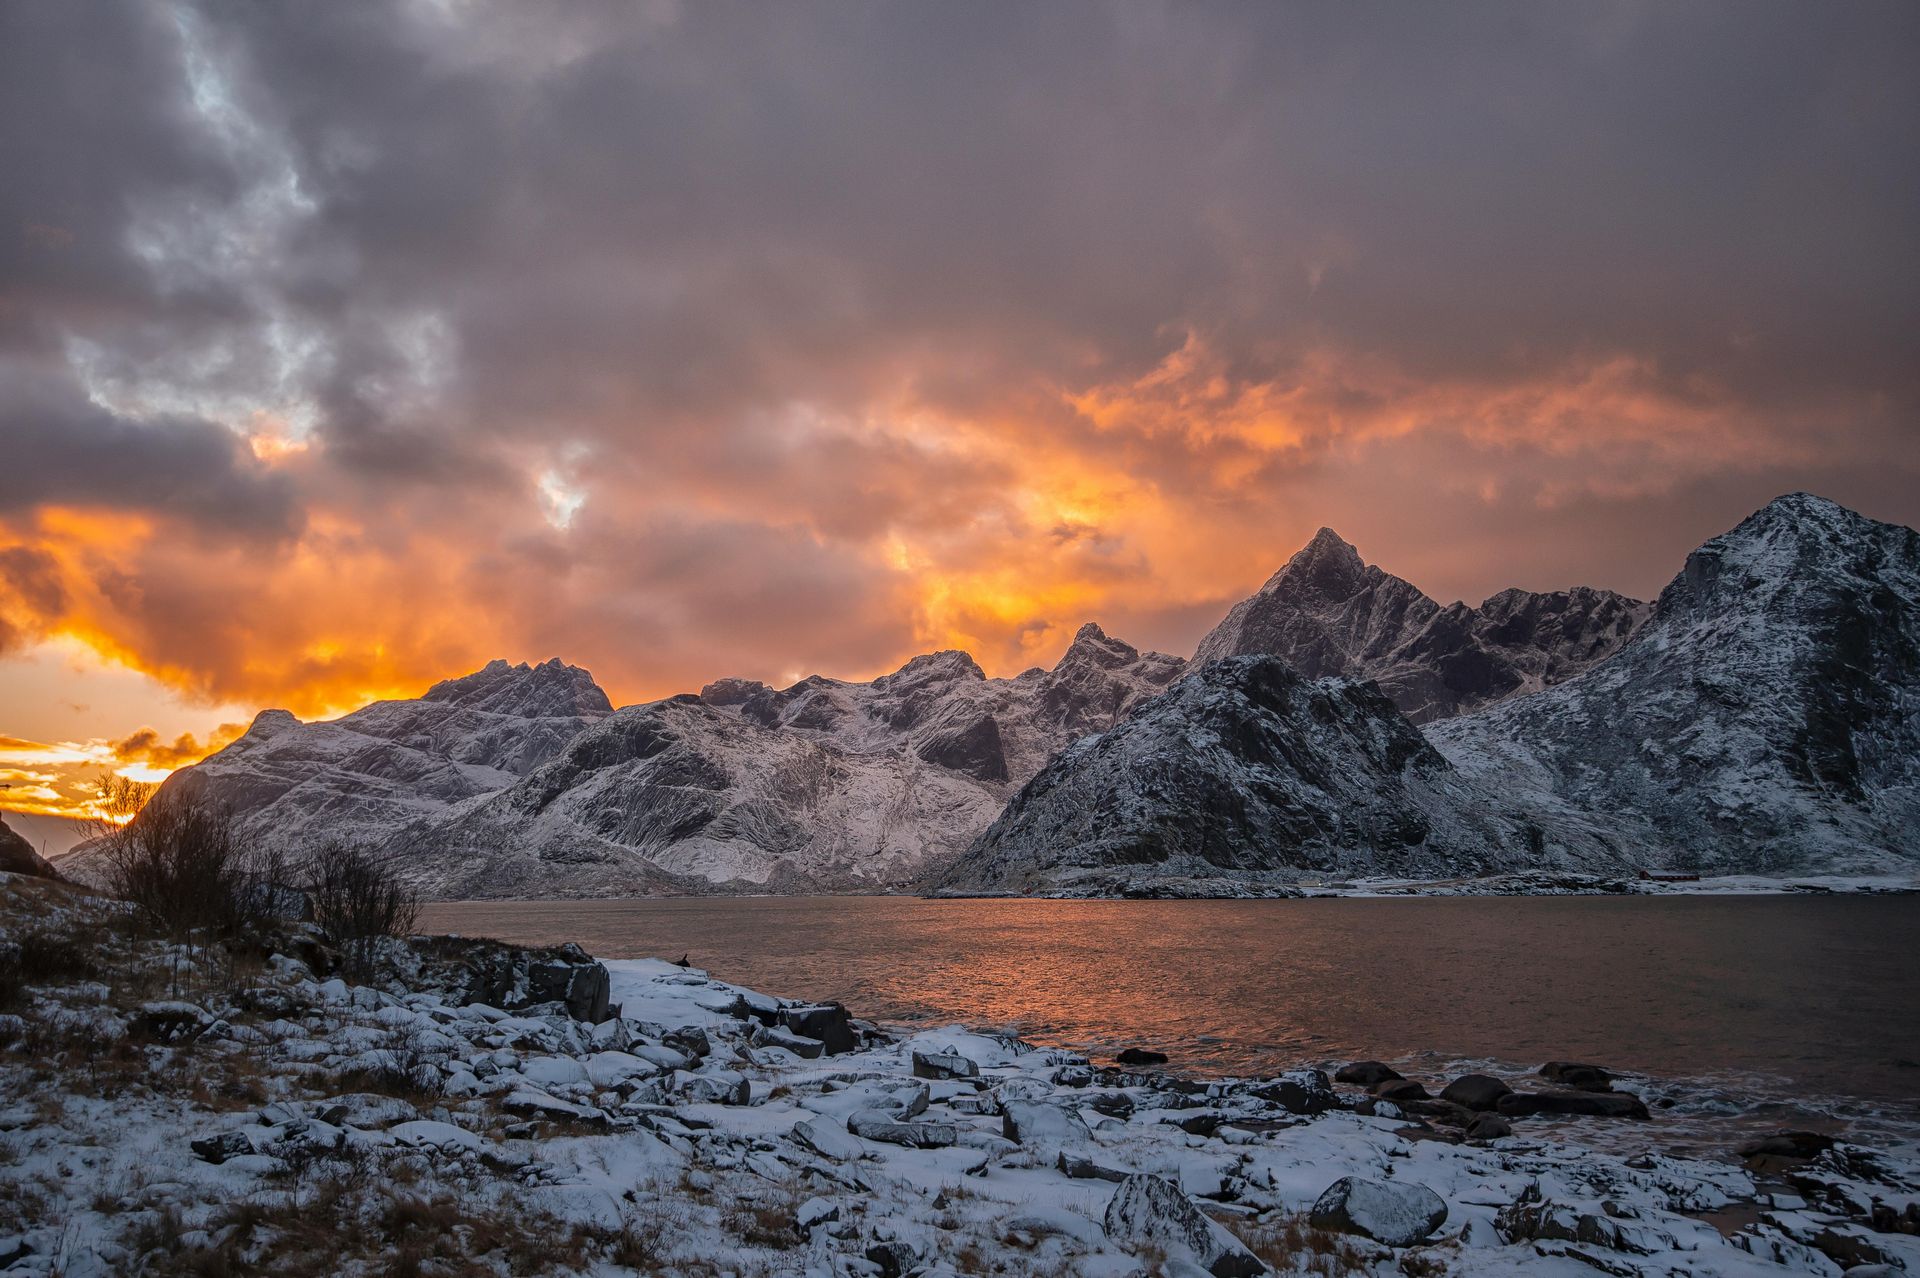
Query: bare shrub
{"type": "Point", "coordinates": [180, 865]}
{"type": "Point", "coordinates": [358, 899]}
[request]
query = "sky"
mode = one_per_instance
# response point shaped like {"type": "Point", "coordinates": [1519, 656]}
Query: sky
{"type": "Point", "coordinates": [346, 347]}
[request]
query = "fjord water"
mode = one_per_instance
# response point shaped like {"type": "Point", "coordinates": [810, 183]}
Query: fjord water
{"type": "Point", "coordinates": [1802, 995]}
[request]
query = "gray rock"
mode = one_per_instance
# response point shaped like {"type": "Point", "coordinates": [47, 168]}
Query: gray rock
{"type": "Point", "coordinates": [943, 1066]}
{"type": "Point", "coordinates": [1146, 1210]}
{"type": "Point", "coordinates": [828, 1023]}
{"type": "Point", "coordinates": [1398, 1215]}
{"type": "Point", "coordinates": [1301, 1091]}
{"type": "Point", "coordinates": [1041, 1123]}
{"type": "Point", "coordinates": [828, 1139]}
{"type": "Point", "coordinates": [1489, 1127]}
{"type": "Point", "coordinates": [876, 1124]}
{"type": "Point", "coordinates": [220, 1147]}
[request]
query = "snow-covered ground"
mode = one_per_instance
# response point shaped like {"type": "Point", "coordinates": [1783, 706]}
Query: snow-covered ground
{"type": "Point", "coordinates": [163, 1111]}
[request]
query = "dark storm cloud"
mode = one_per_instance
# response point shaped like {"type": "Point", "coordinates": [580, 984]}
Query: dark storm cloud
{"type": "Point", "coordinates": [60, 449]}
{"type": "Point", "coordinates": [827, 318]}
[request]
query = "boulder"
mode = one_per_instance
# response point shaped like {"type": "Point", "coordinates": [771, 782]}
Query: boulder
{"type": "Point", "coordinates": [1147, 1210]}
{"type": "Point", "coordinates": [894, 1257]}
{"type": "Point", "coordinates": [826, 1022]}
{"type": "Point", "coordinates": [1300, 1091]}
{"type": "Point", "coordinates": [1365, 1073]}
{"type": "Point", "coordinates": [367, 1110]}
{"type": "Point", "coordinates": [1075, 1167]}
{"type": "Point", "coordinates": [799, 1044]}
{"type": "Point", "coordinates": [1788, 1144]}
{"type": "Point", "coordinates": [172, 1022]}
{"type": "Point", "coordinates": [1581, 1078]}
{"type": "Point", "coordinates": [1140, 1056]}
{"type": "Point", "coordinates": [1592, 1104]}
{"type": "Point", "coordinates": [509, 977]}
{"type": "Point", "coordinates": [1489, 1127]}
{"type": "Point", "coordinates": [1036, 1122]}
{"type": "Point", "coordinates": [1480, 1092]}
{"type": "Point", "coordinates": [828, 1139]}
{"type": "Point", "coordinates": [941, 1066]}
{"type": "Point", "coordinates": [877, 1124]}
{"type": "Point", "coordinates": [1398, 1215]}
{"type": "Point", "coordinates": [220, 1147]}
{"type": "Point", "coordinates": [814, 1213]}
{"type": "Point", "coordinates": [721, 1087]}
{"type": "Point", "coordinates": [1400, 1089]}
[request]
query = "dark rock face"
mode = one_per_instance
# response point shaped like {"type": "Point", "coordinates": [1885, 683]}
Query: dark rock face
{"type": "Point", "coordinates": [827, 1022]}
{"type": "Point", "coordinates": [510, 977]}
{"type": "Point", "coordinates": [1328, 613]}
{"type": "Point", "coordinates": [1140, 1056]}
{"type": "Point", "coordinates": [1244, 767]}
{"type": "Point", "coordinates": [17, 856]}
{"type": "Point", "coordinates": [1765, 720]}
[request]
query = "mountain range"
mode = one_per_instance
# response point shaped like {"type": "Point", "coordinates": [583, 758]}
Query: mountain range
{"type": "Point", "coordinates": [1761, 716]}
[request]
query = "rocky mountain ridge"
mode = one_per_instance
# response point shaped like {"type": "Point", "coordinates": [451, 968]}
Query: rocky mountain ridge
{"type": "Point", "coordinates": [1328, 612]}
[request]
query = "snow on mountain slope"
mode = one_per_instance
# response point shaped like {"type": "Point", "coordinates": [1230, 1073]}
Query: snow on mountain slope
{"type": "Point", "coordinates": [519, 780]}
{"type": "Point", "coordinates": [1766, 719]}
{"type": "Point", "coordinates": [293, 785]}
{"type": "Point", "coordinates": [1327, 612]}
{"type": "Point", "coordinates": [825, 784]}
{"type": "Point", "coordinates": [1247, 772]}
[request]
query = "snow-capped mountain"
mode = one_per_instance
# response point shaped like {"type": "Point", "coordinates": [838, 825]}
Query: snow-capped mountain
{"type": "Point", "coordinates": [825, 784]}
{"type": "Point", "coordinates": [1766, 719]}
{"type": "Point", "coordinates": [362, 776]}
{"type": "Point", "coordinates": [522, 780]}
{"type": "Point", "coordinates": [1327, 612]}
{"type": "Point", "coordinates": [1249, 772]}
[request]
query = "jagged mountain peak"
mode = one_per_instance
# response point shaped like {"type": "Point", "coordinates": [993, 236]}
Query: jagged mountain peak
{"type": "Point", "coordinates": [1328, 612]}
{"type": "Point", "coordinates": [946, 664]}
{"type": "Point", "coordinates": [1093, 646]}
{"type": "Point", "coordinates": [552, 689]}
{"type": "Point", "coordinates": [1328, 564]}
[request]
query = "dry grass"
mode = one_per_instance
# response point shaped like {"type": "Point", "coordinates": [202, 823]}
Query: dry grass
{"type": "Point", "coordinates": [1292, 1246]}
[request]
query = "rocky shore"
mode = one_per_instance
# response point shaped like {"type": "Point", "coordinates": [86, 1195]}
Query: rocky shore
{"type": "Point", "coordinates": [464, 1107]}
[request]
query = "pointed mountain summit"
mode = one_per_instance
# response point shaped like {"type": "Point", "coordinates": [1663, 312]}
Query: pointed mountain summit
{"type": "Point", "coordinates": [1328, 612]}
{"type": "Point", "coordinates": [1766, 719]}
{"type": "Point", "coordinates": [551, 689]}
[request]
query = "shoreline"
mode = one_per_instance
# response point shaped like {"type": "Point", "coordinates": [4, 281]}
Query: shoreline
{"type": "Point", "coordinates": [707, 1128]}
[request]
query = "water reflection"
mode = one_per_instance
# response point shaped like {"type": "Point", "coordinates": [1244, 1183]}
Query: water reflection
{"type": "Point", "coordinates": [1817, 993]}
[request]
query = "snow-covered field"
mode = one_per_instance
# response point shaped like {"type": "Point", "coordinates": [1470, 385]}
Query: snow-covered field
{"type": "Point", "coordinates": [163, 1111]}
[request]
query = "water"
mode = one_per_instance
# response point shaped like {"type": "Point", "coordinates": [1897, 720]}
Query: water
{"type": "Point", "coordinates": [1791, 1008]}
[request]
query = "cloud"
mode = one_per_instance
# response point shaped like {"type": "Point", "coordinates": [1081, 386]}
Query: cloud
{"type": "Point", "coordinates": [344, 347]}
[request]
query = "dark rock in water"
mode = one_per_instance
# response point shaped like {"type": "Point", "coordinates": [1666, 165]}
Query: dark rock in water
{"type": "Point", "coordinates": [1300, 1092]}
{"type": "Point", "coordinates": [827, 1022]}
{"type": "Point", "coordinates": [1365, 1073]}
{"type": "Point", "coordinates": [1489, 1127]}
{"type": "Point", "coordinates": [1394, 1214]}
{"type": "Point", "coordinates": [1400, 1089]}
{"type": "Point", "coordinates": [1149, 1210]}
{"type": "Point", "coordinates": [1593, 1104]}
{"type": "Point", "coordinates": [1140, 1056]}
{"type": "Point", "coordinates": [1788, 1144]}
{"type": "Point", "coordinates": [1475, 1091]}
{"type": "Point", "coordinates": [1581, 1078]}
